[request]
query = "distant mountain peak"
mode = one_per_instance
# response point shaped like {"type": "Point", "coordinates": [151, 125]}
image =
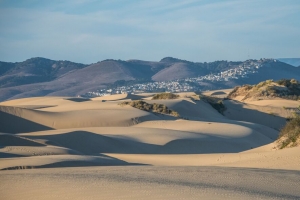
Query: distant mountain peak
{"type": "Point", "coordinates": [173, 60]}
{"type": "Point", "coordinates": [37, 59]}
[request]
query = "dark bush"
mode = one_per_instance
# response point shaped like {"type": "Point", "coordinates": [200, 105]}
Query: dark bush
{"type": "Point", "coordinates": [157, 108]}
{"type": "Point", "coordinates": [165, 95]}
{"type": "Point", "coordinates": [216, 103]}
{"type": "Point", "coordinates": [290, 133]}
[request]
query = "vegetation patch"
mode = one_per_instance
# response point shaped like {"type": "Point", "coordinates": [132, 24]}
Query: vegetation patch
{"type": "Point", "coordinates": [195, 97]}
{"type": "Point", "coordinates": [165, 95]}
{"type": "Point", "coordinates": [216, 103]}
{"type": "Point", "coordinates": [272, 113]}
{"type": "Point", "coordinates": [269, 89]}
{"type": "Point", "coordinates": [156, 108]}
{"type": "Point", "coordinates": [290, 134]}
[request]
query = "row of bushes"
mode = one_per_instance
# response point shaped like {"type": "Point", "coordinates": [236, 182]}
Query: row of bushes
{"type": "Point", "coordinates": [157, 108]}
{"type": "Point", "coordinates": [288, 83]}
{"type": "Point", "coordinates": [165, 95]}
{"type": "Point", "coordinates": [290, 134]}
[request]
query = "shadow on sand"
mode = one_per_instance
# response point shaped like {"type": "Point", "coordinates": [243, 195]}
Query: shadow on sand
{"type": "Point", "coordinates": [13, 124]}
{"type": "Point", "coordinates": [90, 143]}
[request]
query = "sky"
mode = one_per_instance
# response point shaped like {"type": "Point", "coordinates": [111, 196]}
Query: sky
{"type": "Point", "coordinates": [88, 31]}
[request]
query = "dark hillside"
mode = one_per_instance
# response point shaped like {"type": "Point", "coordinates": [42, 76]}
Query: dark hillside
{"type": "Point", "coordinates": [41, 76]}
{"type": "Point", "coordinates": [34, 70]}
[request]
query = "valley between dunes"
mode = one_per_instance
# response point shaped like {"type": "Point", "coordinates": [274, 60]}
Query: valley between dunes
{"type": "Point", "coordinates": [76, 148]}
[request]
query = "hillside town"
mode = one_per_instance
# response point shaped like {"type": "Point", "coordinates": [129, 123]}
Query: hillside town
{"type": "Point", "coordinates": [187, 84]}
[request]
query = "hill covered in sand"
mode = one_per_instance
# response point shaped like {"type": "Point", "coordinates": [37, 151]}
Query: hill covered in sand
{"type": "Point", "coordinates": [290, 134]}
{"type": "Point", "coordinates": [284, 89]}
{"type": "Point", "coordinates": [85, 138]}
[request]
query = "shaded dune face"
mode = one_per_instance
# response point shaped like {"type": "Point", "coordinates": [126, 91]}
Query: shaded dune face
{"type": "Point", "coordinates": [11, 123]}
{"type": "Point", "coordinates": [94, 144]}
{"type": "Point", "coordinates": [178, 142]}
{"type": "Point", "coordinates": [269, 116]}
{"type": "Point", "coordinates": [13, 140]}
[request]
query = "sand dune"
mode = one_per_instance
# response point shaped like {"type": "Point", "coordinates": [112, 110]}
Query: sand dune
{"type": "Point", "coordinates": [55, 161]}
{"type": "Point", "coordinates": [9, 140]}
{"type": "Point", "coordinates": [271, 116]}
{"type": "Point", "coordinates": [70, 115]}
{"type": "Point", "coordinates": [36, 101]}
{"type": "Point", "coordinates": [234, 138]}
{"type": "Point", "coordinates": [284, 159]}
{"type": "Point", "coordinates": [194, 110]}
{"type": "Point", "coordinates": [217, 93]}
{"type": "Point", "coordinates": [225, 126]}
{"type": "Point", "coordinates": [78, 133]}
{"type": "Point", "coordinates": [278, 103]}
{"type": "Point", "coordinates": [66, 122]}
{"type": "Point", "coordinates": [148, 182]}
{"type": "Point", "coordinates": [122, 97]}
{"type": "Point", "coordinates": [62, 113]}
{"type": "Point", "coordinates": [21, 151]}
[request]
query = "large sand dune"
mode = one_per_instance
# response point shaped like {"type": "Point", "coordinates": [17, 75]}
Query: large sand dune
{"type": "Point", "coordinates": [59, 132]}
{"type": "Point", "coordinates": [69, 115]}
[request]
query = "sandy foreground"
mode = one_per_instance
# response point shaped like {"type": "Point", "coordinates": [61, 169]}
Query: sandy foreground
{"type": "Point", "coordinates": [150, 182]}
{"type": "Point", "coordinates": [75, 148]}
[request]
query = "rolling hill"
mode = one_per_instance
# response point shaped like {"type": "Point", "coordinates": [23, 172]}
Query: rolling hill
{"type": "Point", "coordinates": [45, 77]}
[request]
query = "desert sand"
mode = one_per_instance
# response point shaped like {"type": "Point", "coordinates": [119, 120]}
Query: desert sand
{"type": "Point", "coordinates": [77, 148]}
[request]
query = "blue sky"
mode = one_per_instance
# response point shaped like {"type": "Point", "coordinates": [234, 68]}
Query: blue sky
{"type": "Point", "coordinates": [88, 31]}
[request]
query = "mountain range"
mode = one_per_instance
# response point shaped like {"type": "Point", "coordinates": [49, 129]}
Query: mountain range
{"type": "Point", "coordinates": [45, 77]}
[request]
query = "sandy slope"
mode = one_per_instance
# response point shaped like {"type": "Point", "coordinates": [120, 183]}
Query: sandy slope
{"type": "Point", "coordinates": [284, 159]}
{"type": "Point", "coordinates": [279, 103]}
{"type": "Point", "coordinates": [149, 182]}
{"type": "Point", "coordinates": [218, 93]}
{"type": "Point", "coordinates": [69, 114]}
{"type": "Point", "coordinates": [135, 140]}
{"type": "Point", "coordinates": [268, 115]}
{"type": "Point", "coordinates": [126, 130]}
{"type": "Point", "coordinates": [58, 132]}
{"type": "Point", "coordinates": [193, 110]}
{"type": "Point", "coordinates": [122, 97]}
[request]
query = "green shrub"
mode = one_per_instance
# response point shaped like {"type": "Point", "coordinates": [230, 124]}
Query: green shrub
{"type": "Point", "coordinates": [216, 103]}
{"type": "Point", "coordinates": [233, 93]}
{"type": "Point", "coordinates": [165, 95]}
{"type": "Point", "coordinates": [290, 133]}
{"type": "Point", "coordinates": [219, 106]}
{"type": "Point", "coordinates": [248, 87]}
{"type": "Point", "coordinates": [157, 108]}
{"type": "Point", "coordinates": [263, 83]}
{"type": "Point", "coordinates": [284, 82]}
